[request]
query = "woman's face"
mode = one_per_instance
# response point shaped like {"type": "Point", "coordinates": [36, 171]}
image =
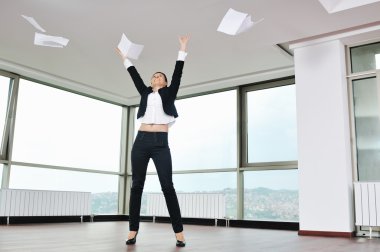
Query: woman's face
{"type": "Point", "coordinates": [158, 80]}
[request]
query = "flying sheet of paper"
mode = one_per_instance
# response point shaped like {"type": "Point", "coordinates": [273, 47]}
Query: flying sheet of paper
{"type": "Point", "coordinates": [235, 22]}
{"type": "Point", "coordinates": [33, 22]}
{"type": "Point", "coordinates": [129, 49]}
{"type": "Point", "coordinates": [51, 41]}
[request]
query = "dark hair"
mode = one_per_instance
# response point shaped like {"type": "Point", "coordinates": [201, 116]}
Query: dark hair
{"type": "Point", "coordinates": [166, 79]}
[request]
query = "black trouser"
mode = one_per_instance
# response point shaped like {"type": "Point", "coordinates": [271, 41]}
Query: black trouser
{"type": "Point", "coordinates": [152, 145]}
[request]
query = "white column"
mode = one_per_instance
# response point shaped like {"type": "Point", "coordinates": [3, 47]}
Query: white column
{"type": "Point", "coordinates": [324, 151]}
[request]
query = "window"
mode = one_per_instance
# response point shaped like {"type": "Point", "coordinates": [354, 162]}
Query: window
{"type": "Point", "coordinates": [365, 88]}
{"type": "Point", "coordinates": [271, 195]}
{"type": "Point", "coordinates": [269, 152]}
{"type": "Point", "coordinates": [208, 117]}
{"type": "Point", "coordinates": [4, 92]}
{"type": "Point", "coordinates": [152, 185]}
{"type": "Point", "coordinates": [271, 124]}
{"type": "Point", "coordinates": [367, 127]}
{"type": "Point", "coordinates": [202, 140]}
{"type": "Point", "coordinates": [363, 58]}
{"type": "Point", "coordinates": [59, 128]}
{"type": "Point", "coordinates": [221, 182]}
{"type": "Point", "coordinates": [103, 187]}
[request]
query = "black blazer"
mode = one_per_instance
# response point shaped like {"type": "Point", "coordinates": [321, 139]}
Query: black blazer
{"type": "Point", "coordinates": [168, 94]}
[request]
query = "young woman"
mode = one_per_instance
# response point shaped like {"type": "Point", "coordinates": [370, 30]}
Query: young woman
{"type": "Point", "coordinates": [156, 113]}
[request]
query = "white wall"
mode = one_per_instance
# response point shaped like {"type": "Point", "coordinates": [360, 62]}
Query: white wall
{"type": "Point", "coordinates": [324, 152]}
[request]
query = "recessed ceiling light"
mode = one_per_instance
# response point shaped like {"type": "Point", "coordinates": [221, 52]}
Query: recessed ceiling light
{"type": "Point", "coordinates": [339, 5]}
{"type": "Point", "coordinates": [377, 58]}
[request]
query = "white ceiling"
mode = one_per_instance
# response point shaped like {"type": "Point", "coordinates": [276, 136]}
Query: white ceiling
{"type": "Point", "coordinates": [90, 64]}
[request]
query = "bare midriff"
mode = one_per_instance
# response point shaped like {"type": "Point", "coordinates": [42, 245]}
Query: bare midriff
{"type": "Point", "coordinates": [154, 127]}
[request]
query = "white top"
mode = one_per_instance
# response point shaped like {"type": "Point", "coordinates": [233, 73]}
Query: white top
{"type": "Point", "coordinates": [154, 113]}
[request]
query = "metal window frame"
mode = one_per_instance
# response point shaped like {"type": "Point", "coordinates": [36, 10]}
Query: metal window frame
{"type": "Point", "coordinates": [257, 166]}
{"type": "Point", "coordinates": [245, 165]}
{"type": "Point", "coordinates": [241, 143]}
{"type": "Point", "coordinates": [350, 77]}
{"type": "Point", "coordinates": [8, 131]}
{"type": "Point", "coordinates": [127, 137]}
{"type": "Point", "coordinates": [7, 141]}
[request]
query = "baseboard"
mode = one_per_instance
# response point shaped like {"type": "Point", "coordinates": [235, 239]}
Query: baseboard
{"type": "Point", "coordinates": [43, 219]}
{"type": "Point", "coordinates": [110, 217]}
{"type": "Point", "coordinates": [326, 233]}
{"type": "Point", "coordinates": [294, 226]}
{"type": "Point", "coordinates": [190, 221]}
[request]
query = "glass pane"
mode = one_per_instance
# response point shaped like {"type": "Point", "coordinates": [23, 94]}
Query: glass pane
{"type": "Point", "coordinates": [64, 129]}
{"type": "Point", "coordinates": [152, 185]}
{"type": "Point", "coordinates": [363, 57]}
{"type": "Point", "coordinates": [367, 126]}
{"type": "Point", "coordinates": [272, 125]}
{"type": "Point", "coordinates": [4, 92]}
{"type": "Point", "coordinates": [104, 188]}
{"type": "Point", "coordinates": [271, 195]}
{"type": "Point", "coordinates": [204, 135]}
{"type": "Point", "coordinates": [1, 173]}
{"type": "Point", "coordinates": [223, 182]}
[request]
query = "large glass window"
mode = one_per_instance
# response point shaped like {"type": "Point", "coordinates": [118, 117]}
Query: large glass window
{"type": "Point", "coordinates": [221, 182]}
{"type": "Point", "coordinates": [152, 185]}
{"type": "Point", "coordinates": [271, 195]}
{"type": "Point", "coordinates": [271, 125]}
{"type": "Point", "coordinates": [204, 135]}
{"type": "Point", "coordinates": [363, 58]}
{"type": "Point", "coordinates": [103, 187]}
{"type": "Point", "coordinates": [367, 126]}
{"type": "Point", "coordinates": [59, 128]}
{"type": "Point", "coordinates": [4, 92]}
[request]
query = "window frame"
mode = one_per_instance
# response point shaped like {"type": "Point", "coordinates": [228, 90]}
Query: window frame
{"type": "Point", "coordinates": [351, 77]}
{"type": "Point", "coordinates": [128, 120]}
{"type": "Point", "coordinates": [257, 166]}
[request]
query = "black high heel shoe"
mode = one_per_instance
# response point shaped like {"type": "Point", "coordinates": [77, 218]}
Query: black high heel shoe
{"type": "Point", "coordinates": [132, 241]}
{"type": "Point", "coordinates": [180, 243]}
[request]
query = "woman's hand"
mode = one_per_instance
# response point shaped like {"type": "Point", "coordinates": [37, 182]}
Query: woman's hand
{"type": "Point", "coordinates": [183, 42]}
{"type": "Point", "coordinates": [121, 54]}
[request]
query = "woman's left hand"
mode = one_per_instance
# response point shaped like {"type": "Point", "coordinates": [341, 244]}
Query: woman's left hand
{"type": "Point", "coordinates": [123, 57]}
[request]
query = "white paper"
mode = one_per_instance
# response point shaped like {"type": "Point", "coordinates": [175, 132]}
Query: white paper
{"type": "Point", "coordinates": [51, 41]}
{"type": "Point", "coordinates": [129, 49]}
{"type": "Point", "coordinates": [33, 22]}
{"type": "Point", "coordinates": [235, 22]}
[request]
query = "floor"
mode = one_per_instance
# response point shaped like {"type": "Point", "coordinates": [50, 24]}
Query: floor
{"type": "Point", "coordinates": [110, 237]}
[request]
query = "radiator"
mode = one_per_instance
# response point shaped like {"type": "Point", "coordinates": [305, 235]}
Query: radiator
{"type": "Point", "coordinates": [367, 204]}
{"type": "Point", "coordinates": [15, 202]}
{"type": "Point", "coordinates": [195, 205]}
